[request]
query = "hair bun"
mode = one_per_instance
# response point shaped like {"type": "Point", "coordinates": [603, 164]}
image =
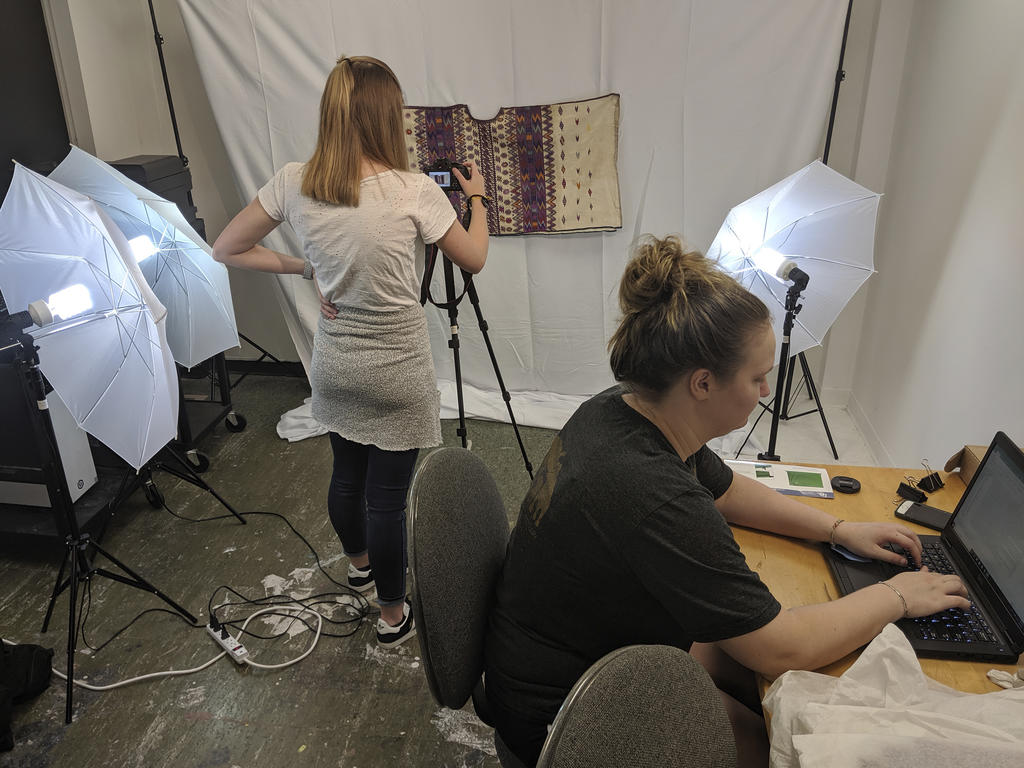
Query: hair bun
{"type": "Point", "coordinates": [663, 272]}
{"type": "Point", "coordinates": [680, 312]}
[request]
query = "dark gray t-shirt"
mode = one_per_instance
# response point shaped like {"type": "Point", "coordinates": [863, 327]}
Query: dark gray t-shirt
{"type": "Point", "coordinates": [618, 542]}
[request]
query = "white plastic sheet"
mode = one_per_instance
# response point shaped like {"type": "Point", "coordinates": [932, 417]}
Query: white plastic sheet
{"type": "Point", "coordinates": [298, 423]}
{"type": "Point", "coordinates": [719, 99]}
{"type": "Point", "coordinates": [884, 711]}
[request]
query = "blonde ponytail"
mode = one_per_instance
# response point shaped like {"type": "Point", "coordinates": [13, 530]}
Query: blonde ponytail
{"type": "Point", "coordinates": [360, 117]}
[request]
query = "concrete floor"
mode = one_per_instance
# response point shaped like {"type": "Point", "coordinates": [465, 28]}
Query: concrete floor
{"type": "Point", "coordinates": [348, 704]}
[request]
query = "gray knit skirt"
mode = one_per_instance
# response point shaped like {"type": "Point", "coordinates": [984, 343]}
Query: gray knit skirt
{"type": "Point", "coordinates": [373, 378]}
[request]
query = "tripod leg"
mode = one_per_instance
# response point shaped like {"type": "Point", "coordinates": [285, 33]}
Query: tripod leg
{"type": "Point", "coordinates": [764, 409]}
{"type": "Point", "coordinates": [58, 587]}
{"type": "Point", "coordinates": [814, 393]}
{"type": "Point", "coordinates": [453, 343]}
{"type": "Point", "coordinates": [475, 301]}
{"type": "Point", "coordinates": [136, 581]}
{"type": "Point", "coordinates": [784, 402]}
{"type": "Point", "coordinates": [781, 385]}
{"type": "Point", "coordinates": [189, 476]}
{"type": "Point", "coordinates": [72, 629]}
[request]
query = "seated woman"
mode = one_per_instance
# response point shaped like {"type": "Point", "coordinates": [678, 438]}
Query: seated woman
{"type": "Point", "coordinates": [624, 536]}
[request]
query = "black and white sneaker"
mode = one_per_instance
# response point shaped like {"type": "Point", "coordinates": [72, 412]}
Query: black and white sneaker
{"type": "Point", "coordinates": [360, 579]}
{"type": "Point", "coordinates": [389, 636]}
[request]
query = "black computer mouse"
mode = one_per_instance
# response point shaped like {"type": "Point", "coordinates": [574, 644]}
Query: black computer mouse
{"type": "Point", "coordinates": [845, 484]}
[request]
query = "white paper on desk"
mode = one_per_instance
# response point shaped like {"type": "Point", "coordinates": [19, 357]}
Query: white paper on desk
{"type": "Point", "coordinates": [885, 711]}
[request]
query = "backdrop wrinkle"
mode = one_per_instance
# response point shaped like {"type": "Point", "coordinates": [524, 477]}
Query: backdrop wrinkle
{"type": "Point", "coordinates": [690, 146]}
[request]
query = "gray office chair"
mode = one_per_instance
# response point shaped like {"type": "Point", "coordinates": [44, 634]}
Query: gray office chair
{"type": "Point", "coordinates": [639, 706]}
{"type": "Point", "coordinates": [457, 536]}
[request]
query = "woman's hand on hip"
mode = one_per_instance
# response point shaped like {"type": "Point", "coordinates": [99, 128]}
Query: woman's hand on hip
{"type": "Point", "coordinates": [327, 309]}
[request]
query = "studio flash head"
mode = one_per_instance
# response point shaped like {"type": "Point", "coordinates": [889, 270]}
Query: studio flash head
{"type": "Point", "coordinates": [441, 172]}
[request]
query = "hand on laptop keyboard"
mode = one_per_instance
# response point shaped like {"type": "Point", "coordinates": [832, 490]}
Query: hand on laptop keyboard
{"type": "Point", "coordinates": [926, 592]}
{"type": "Point", "coordinates": [932, 556]}
{"type": "Point", "coordinates": [889, 542]}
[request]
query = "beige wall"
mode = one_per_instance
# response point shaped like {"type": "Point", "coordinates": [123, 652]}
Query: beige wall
{"type": "Point", "coordinates": [861, 146]}
{"type": "Point", "coordinates": [940, 359]}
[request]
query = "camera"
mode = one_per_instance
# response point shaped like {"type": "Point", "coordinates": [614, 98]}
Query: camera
{"type": "Point", "coordinates": [441, 172]}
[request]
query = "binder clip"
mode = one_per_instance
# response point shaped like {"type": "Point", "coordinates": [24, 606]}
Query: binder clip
{"type": "Point", "coordinates": [910, 493]}
{"type": "Point", "coordinates": [931, 482]}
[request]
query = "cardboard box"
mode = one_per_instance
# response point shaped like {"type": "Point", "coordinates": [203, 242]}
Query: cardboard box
{"type": "Point", "coordinates": [966, 460]}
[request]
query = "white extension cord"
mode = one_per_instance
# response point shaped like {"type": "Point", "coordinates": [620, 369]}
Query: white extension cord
{"type": "Point", "coordinates": [231, 648]}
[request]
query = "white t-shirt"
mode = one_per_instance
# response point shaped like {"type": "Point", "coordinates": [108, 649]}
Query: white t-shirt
{"type": "Point", "coordinates": [364, 256]}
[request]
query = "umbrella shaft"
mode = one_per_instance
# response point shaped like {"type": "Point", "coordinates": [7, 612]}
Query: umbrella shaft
{"type": "Point", "coordinates": [86, 319]}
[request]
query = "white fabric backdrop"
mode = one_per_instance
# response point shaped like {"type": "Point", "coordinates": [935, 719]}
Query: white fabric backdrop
{"type": "Point", "coordinates": [719, 100]}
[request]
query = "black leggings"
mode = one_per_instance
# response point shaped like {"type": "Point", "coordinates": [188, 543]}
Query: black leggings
{"type": "Point", "coordinates": [366, 502]}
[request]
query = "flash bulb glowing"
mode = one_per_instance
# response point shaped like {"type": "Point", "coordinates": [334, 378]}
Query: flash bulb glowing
{"type": "Point", "coordinates": [142, 247]}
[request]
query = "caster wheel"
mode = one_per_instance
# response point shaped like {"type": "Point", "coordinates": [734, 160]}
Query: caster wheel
{"type": "Point", "coordinates": [235, 422]}
{"type": "Point", "coordinates": [198, 461]}
{"type": "Point", "coordinates": [153, 495]}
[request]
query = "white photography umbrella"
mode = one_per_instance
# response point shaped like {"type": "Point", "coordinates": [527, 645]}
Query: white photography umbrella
{"type": "Point", "coordinates": [816, 218]}
{"type": "Point", "coordinates": [106, 354]}
{"type": "Point", "coordinates": [174, 259]}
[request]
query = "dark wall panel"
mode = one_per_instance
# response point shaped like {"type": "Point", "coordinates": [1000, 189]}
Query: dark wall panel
{"type": "Point", "coordinates": [32, 126]}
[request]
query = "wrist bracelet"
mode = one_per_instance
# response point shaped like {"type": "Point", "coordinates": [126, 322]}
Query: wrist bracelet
{"type": "Point", "coordinates": [307, 270]}
{"type": "Point", "coordinates": [483, 199]}
{"type": "Point", "coordinates": [906, 611]}
{"type": "Point", "coordinates": [832, 533]}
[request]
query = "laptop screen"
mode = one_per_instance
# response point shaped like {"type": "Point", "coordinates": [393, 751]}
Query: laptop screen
{"type": "Point", "coordinates": [990, 522]}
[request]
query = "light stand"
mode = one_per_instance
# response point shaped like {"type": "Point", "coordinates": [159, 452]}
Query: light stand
{"type": "Point", "coordinates": [779, 405]}
{"type": "Point", "coordinates": [79, 546]}
{"type": "Point", "coordinates": [451, 305]}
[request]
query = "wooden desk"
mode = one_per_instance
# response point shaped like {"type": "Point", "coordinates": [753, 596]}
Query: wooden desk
{"type": "Point", "coordinates": [796, 573]}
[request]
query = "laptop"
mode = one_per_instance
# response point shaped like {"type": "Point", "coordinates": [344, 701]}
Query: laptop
{"type": "Point", "coordinates": [983, 543]}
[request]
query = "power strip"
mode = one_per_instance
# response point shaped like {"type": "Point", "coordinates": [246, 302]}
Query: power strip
{"type": "Point", "coordinates": [233, 648]}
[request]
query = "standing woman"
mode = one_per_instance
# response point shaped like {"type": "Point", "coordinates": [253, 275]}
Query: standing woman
{"type": "Point", "coordinates": [360, 214]}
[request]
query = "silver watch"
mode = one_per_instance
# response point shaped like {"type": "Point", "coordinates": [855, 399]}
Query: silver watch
{"type": "Point", "coordinates": [307, 270]}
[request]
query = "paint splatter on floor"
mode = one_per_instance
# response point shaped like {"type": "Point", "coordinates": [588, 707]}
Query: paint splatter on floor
{"type": "Point", "coordinates": [192, 697]}
{"type": "Point", "coordinates": [401, 657]}
{"type": "Point", "coordinates": [461, 726]}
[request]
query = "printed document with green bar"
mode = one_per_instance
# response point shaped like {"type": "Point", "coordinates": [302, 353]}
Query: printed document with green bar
{"type": "Point", "coordinates": [787, 478]}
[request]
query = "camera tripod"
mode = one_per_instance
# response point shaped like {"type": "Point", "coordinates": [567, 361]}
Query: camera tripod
{"type": "Point", "coordinates": [451, 306]}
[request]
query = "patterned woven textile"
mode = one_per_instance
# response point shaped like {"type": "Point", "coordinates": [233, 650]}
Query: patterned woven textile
{"type": "Point", "coordinates": [547, 168]}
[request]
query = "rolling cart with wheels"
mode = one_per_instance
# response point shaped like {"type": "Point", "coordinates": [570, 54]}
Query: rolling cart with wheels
{"type": "Point", "coordinates": [199, 411]}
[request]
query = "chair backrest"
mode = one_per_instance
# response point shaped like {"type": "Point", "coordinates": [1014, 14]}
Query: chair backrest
{"type": "Point", "coordinates": [642, 705]}
{"type": "Point", "coordinates": [457, 537]}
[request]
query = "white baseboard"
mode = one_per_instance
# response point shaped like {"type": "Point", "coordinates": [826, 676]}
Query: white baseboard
{"type": "Point", "coordinates": [860, 418]}
{"type": "Point", "coordinates": [834, 396]}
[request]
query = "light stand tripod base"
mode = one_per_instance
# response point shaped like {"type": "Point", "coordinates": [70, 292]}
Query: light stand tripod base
{"type": "Point", "coordinates": [186, 473]}
{"type": "Point", "coordinates": [26, 359]}
{"type": "Point", "coordinates": [82, 571]}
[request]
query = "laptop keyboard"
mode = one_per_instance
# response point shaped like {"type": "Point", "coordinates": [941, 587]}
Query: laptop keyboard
{"type": "Point", "coordinates": [955, 625]}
